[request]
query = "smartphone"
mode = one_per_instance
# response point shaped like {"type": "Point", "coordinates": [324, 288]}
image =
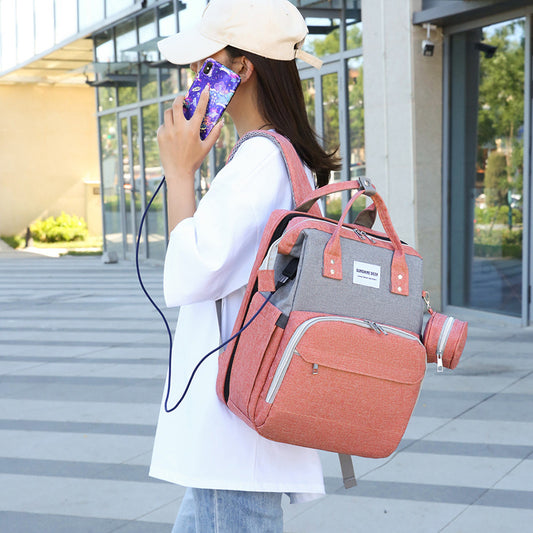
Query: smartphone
{"type": "Point", "coordinates": [223, 83]}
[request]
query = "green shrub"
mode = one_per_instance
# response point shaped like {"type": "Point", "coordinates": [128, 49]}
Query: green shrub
{"type": "Point", "coordinates": [497, 215]}
{"type": "Point", "coordinates": [13, 240]}
{"type": "Point", "coordinates": [64, 228]}
{"type": "Point", "coordinates": [498, 243]}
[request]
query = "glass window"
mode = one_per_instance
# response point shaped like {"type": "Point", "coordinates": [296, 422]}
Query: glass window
{"type": "Point", "coordinates": [486, 168]}
{"type": "Point", "coordinates": [169, 80]}
{"type": "Point", "coordinates": [8, 34]}
{"type": "Point", "coordinates": [25, 40]}
{"type": "Point", "coordinates": [67, 23]}
{"type": "Point", "coordinates": [114, 6]}
{"type": "Point", "coordinates": [127, 90]}
{"type": "Point", "coordinates": [186, 78]}
{"type": "Point", "coordinates": [156, 225]}
{"type": "Point", "coordinates": [330, 112]}
{"type": "Point", "coordinates": [356, 116]}
{"type": "Point", "coordinates": [190, 16]}
{"type": "Point", "coordinates": [224, 144]}
{"type": "Point", "coordinates": [148, 36]}
{"type": "Point", "coordinates": [147, 27]}
{"type": "Point", "coordinates": [111, 183]}
{"type": "Point", "coordinates": [354, 35]}
{"type": "Point", "coordinates": [44, 25]}
{"type": "Point", "coordinates": [324, 36]}
{"type": "Point", "coordinates": [107, 98]}
{"type": "Point", "coordinates": [148, 82]}
{"type": "Point", "coordinates": [126, 38]}
{"type": "Point", "coordinates": [167, 20]}
{"type": "Point", "coordinates": [91, 12]}
{"type": "Point", "coordinates": [105, 47]}
{"type": "Point", "coordinates": [309, 90]}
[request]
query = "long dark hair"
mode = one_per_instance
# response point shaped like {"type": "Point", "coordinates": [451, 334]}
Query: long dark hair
{"type": "Point", "coordinates": [281, 102]}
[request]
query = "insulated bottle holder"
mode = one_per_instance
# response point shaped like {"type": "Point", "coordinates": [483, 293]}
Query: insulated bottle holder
{"type": "Point", "coordinates": [444, 340]}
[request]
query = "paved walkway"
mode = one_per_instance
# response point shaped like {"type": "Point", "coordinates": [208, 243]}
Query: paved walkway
{"type": "Point", "coordinates": [82, 362]}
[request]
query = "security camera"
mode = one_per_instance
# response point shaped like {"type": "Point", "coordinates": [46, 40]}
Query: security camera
{"type": "Point", "coordinates": [428, 47]}
{"type": "Point", "coordinates": [487, 49]}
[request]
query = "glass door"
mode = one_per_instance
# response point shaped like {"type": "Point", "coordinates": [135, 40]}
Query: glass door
{"type": "Point", "coordinates": [486, 147]}
{"type": "Point", "coordinates": [132, 186]}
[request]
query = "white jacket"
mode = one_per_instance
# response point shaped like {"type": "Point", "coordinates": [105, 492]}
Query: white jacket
{"type": "Point", "coordinates": [209, 257]}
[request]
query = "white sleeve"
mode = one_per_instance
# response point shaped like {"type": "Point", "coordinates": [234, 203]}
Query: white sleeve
{"type": "Point", "coordinates": [212, 253]}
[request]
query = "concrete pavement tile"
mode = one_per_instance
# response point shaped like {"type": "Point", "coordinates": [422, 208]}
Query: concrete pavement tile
{"type": "Point", "coordinates": [476, 366]}
{"type": "Point", "coordinates": [511, 499]}
{"type": "Point", "coordinates": [523, 386]}
{"type": "Point", "coordinates": [62, 411]}
{"type": "Point", "coordinates": [443, 470]}
{"type": "Point", "coordinates": [520, 478]}
{"type": "Point", "coordinates": [362, 515]}
{"type": "Point", "coordinates": [12, 367]}
{"type": "Point", "coordinates": [75, 469]}
{"type": "Point", "coordinates": [143, 459]}
{"type": "Point", "coordinates": [86, 337]}
{"type": "Point", "coordinates": [467, 449]}
{"type": "Point", "coordinates": [93, 369]}
{"type": "Point", "coordinates": [26, 522]}
{"type": "Point", "coordinates": [421, 426]}
{"type": "Point", "coordinates": [93, 498]}
{"type": "Point", "coordinates": [72, 446]}
{"type": "Point", "coordinates": [143, 527]}
{"type": "Point", "coordinates": [69, 389]}
{"type": "Point", "coordinates": [509, 407]}
{"type": "Point", "coordinates": [47, 350]}
{"type": "Point", "coordinates": [86, 428]}
{"type": "Point", "coordinates": [453, 382]}
{"type": "Point", "coordinates": [167, 513]}
{"type": "Point", "coordinates": [490, 520]}
{"type": "Point", "coordinates": [158, 353]}
{"type": "Point", "coordinates": [518, 345]}
{"type": "Point", "coordinates": [441, 405]}
{"type": "Point", "coordinates": [492, 432]}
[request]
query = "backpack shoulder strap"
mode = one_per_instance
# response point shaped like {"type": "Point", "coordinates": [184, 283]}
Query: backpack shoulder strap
{"type": "Point", "coordinates": [300, 186]}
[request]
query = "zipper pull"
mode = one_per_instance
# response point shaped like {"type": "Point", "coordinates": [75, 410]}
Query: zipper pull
{"type": "Point", "coordinates": [315, 369]}
{"type": "Point", "coordinates": [381, 329]}
{"type": "Point", "coordinates": [440, 367]}
{"type": "Point", "coordinates": [375, 327]}
{"type": "Point", "coordinates": [359, 233]}
{"type": "Point", "coordinates": [371, 239]}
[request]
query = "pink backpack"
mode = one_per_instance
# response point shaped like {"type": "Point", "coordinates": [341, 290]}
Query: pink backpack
{"type": "Point", "coordinates": [331, 356]}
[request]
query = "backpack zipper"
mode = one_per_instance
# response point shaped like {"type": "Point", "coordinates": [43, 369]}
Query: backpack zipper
{"type": "Point", "coordinates": [290, 349]}
{"type": "Point", "coordinates": [443, 339]}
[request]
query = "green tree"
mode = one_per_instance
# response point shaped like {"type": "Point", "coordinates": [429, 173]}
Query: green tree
{"type": "Point", "coordinates": [501, 108]}
{"type": "Point", "coordinates": [496, 184]}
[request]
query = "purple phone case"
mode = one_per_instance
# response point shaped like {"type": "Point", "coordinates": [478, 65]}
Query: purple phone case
{"type": "Point", "coordinates": [222, 85]}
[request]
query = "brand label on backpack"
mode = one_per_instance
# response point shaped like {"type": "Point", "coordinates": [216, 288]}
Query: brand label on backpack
{"type": "Point", "coordinates": [366, 274]}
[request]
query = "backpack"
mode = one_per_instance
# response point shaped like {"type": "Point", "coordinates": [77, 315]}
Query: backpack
{"type": "Point", "coordinates": [327, 350]}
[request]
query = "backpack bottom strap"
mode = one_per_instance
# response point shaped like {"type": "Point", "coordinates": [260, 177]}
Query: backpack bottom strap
{"type": "Point", "coordinates": [348, 474]}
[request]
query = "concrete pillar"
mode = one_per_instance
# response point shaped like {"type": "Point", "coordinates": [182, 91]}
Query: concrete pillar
{"type": "Point", "coordinates": [403, 127]}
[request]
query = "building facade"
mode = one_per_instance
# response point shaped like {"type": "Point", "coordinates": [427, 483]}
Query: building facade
{"type": "Point", "coordinates": [428, 98]}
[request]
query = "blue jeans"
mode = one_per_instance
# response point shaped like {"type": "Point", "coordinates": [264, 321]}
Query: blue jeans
{"type": "Point", "coordinates": [229, 511]}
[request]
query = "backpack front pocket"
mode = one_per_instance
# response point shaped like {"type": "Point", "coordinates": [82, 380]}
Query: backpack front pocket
{"type": "Point", "coordinates": [333, 369]}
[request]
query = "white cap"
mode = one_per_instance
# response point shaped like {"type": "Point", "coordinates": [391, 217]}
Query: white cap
{"type": "Point", "coordinates": [269, 28]}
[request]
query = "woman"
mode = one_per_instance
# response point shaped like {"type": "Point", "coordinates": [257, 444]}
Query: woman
{"type": "Point", "coordinates": [235, 477]}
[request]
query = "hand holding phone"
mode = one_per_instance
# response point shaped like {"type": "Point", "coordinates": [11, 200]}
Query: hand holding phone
{"type": "Point", "coordinates": [223, 83]}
